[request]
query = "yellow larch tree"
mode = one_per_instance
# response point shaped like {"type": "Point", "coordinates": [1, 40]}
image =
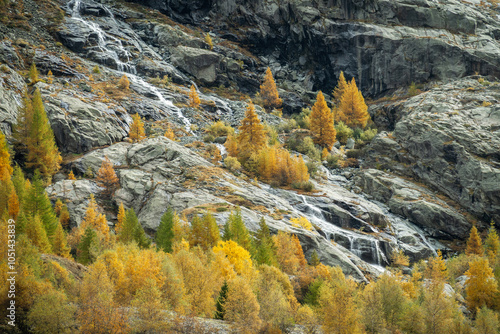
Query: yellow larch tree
{"type": "Point", "coordinates": [269, 92]}
{"type": "Point", "coordinates": [71, 176]}
{"type": "Point", "coordinates": [106, 178]}
{"type": "Point", "coordinates": [481, 286]}
{"type": "Point", "coordinates": [238, 256]}
{"type": "Point", "coordinates": [5, 168]}
{"type": "Point", "coordinates": [242, 306]}
{"type": "Point", "coordinates": [169, 133]}
{"type": "Point", "coordinates": [474, 244]}
{"type": "Point", "coordinates": [124, 83]}
{"type": "Point", "coordinates": [231, 145]}
{"type": "Point", "coordinates": [353, 110]}
{"type": "Point", "coordinates": [340, 89]}
{"type": "Point", "coordinates": [136, 132]}
{"type": "Point", "coordinates": [252, 136]}
{"type": "Point", "coordinates": [492, 244]}
{"type": "Point", "coordinates": [194, 99]}
{"type": "Point", "coordinates": [322, 126]}
{"type": "Point", "coordinates": [120, 218]}
{"type": "Point", "coordinates": [94, 220]}
{"type": "Point", "coordinates": [60, 246]}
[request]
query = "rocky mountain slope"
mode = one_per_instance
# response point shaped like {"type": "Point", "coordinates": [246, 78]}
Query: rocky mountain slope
{"type": "Point", "coordinates": [420, 186]}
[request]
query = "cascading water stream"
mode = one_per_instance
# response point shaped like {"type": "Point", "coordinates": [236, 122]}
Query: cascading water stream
{"type": "Point", "coordinates": [107, 42]}
{"type": "Point", "coordinates": [315, 216]}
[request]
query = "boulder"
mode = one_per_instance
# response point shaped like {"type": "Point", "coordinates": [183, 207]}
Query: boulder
{"type": "Point", "coordinates": [202, 64]}
{"type": "Point", "coordinates": [80, 126]}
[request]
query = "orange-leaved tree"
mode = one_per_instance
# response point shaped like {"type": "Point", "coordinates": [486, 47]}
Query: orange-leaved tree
{"type": "Point", "coordinates": [322, 123]}
{"type": "Point", "coordinates": [474, 244]}
{"type": "Point", "coordinates": [269, 92]}
{"type": "Point", "coordinates": [481, 286]}
{"type": "Point", "coordinates": [340, 89]}
{"type": "Point", "coordinates": [252, 136]}
{"type": "Point", "coordinates": [136, 132]}
{"type": "Point", "coordinates": [352, 109]}
{"type": "Point", "coordinates": [194, 99]}
{"type": "Point", "coordinates": [106, 178]}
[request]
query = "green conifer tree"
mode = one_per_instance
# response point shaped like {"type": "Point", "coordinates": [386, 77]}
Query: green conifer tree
{"type": "Point", "coordinates": [204, 231]}
{"type": "Point", "coordinates": [165, 233]}
{"type": "Point", "coordinates": [265, 249]}
{"type": "Point", "coordinates": [38, 203]}
{"type": "Point", "coordinates": [132, 230]}
{"type": "Point", "coordinates": [221, 301]}
{"type": "Point", "coordinates": [43, 153]}
{"type": "Point", "coordinates": [314, 259]}
{"type": "Point", "coordinates": [238, 232]}
{"type": "Point", "coordinates": [89, 239]}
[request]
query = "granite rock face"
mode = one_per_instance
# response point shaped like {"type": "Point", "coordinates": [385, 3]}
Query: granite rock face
{"type": "Point", "coordinates": [383, 44]}
{"type": "Point", "coordinates": [449, 138]}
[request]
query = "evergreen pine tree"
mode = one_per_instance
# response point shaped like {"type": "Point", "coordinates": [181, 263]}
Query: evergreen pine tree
{"type": "Point", "coordinates": [322, 126]}
{"type": "Point", "coordinates": [265, 249]}
{"type": "Point", "coordinates": [474, 244]}
{"type": "Point", "coordinates": [43, 153]}
{"type": "Point", "coordinates": [252, 136]}
{"type": "Point", "coordinates": [237, 231]}
{"type": "Point", "coordinates": [352, 108]}
{"type": "Point", "coordinates": [269, 92]}
{"type": "Point", "coordinates": [314, 259]}
{"type": "Point", "coordinates": [136, 132]}
{"type": "Point", "coordinates": [38, 203]}
{"type": "Point", "coordinates": [165, 233]}
{"type": "Point", "coordinates": [194, 99]}
{"type": "Point", "coordinates": [132, 230]}
{"type": "Point", "coordinates": [221, 301]}
{"type": "Point", "coordinates": [85, 255]}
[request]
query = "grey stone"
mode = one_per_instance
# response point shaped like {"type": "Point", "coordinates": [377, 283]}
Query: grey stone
{"type": "Point", "coordinates": [202, 64]}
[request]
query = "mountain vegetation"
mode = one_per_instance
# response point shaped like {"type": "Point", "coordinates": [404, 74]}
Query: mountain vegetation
{"type": "Point", "coordinates": [175, 167]}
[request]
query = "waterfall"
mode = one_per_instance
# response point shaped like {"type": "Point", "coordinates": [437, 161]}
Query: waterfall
{"type": "Point", "coordinates": [106, 44]}
{"type": "Point", "coordinates": [316, 217]}
{"type": "Point", "coordinates": [222, 149]}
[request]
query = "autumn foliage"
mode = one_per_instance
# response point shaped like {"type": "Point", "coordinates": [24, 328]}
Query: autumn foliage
{"type": "Point", "coordinates": [136, 132]}
{"type": "Point", "coordinates": [194, 99]}
{"type": "Point", "coordinates": [352, 109]}
{"type": "Point", "coordinates": [106, 178]}
{"type": "Point", "coordinates": [269, 92]}
{"type": "Point", "coordinates": [322, 126]}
